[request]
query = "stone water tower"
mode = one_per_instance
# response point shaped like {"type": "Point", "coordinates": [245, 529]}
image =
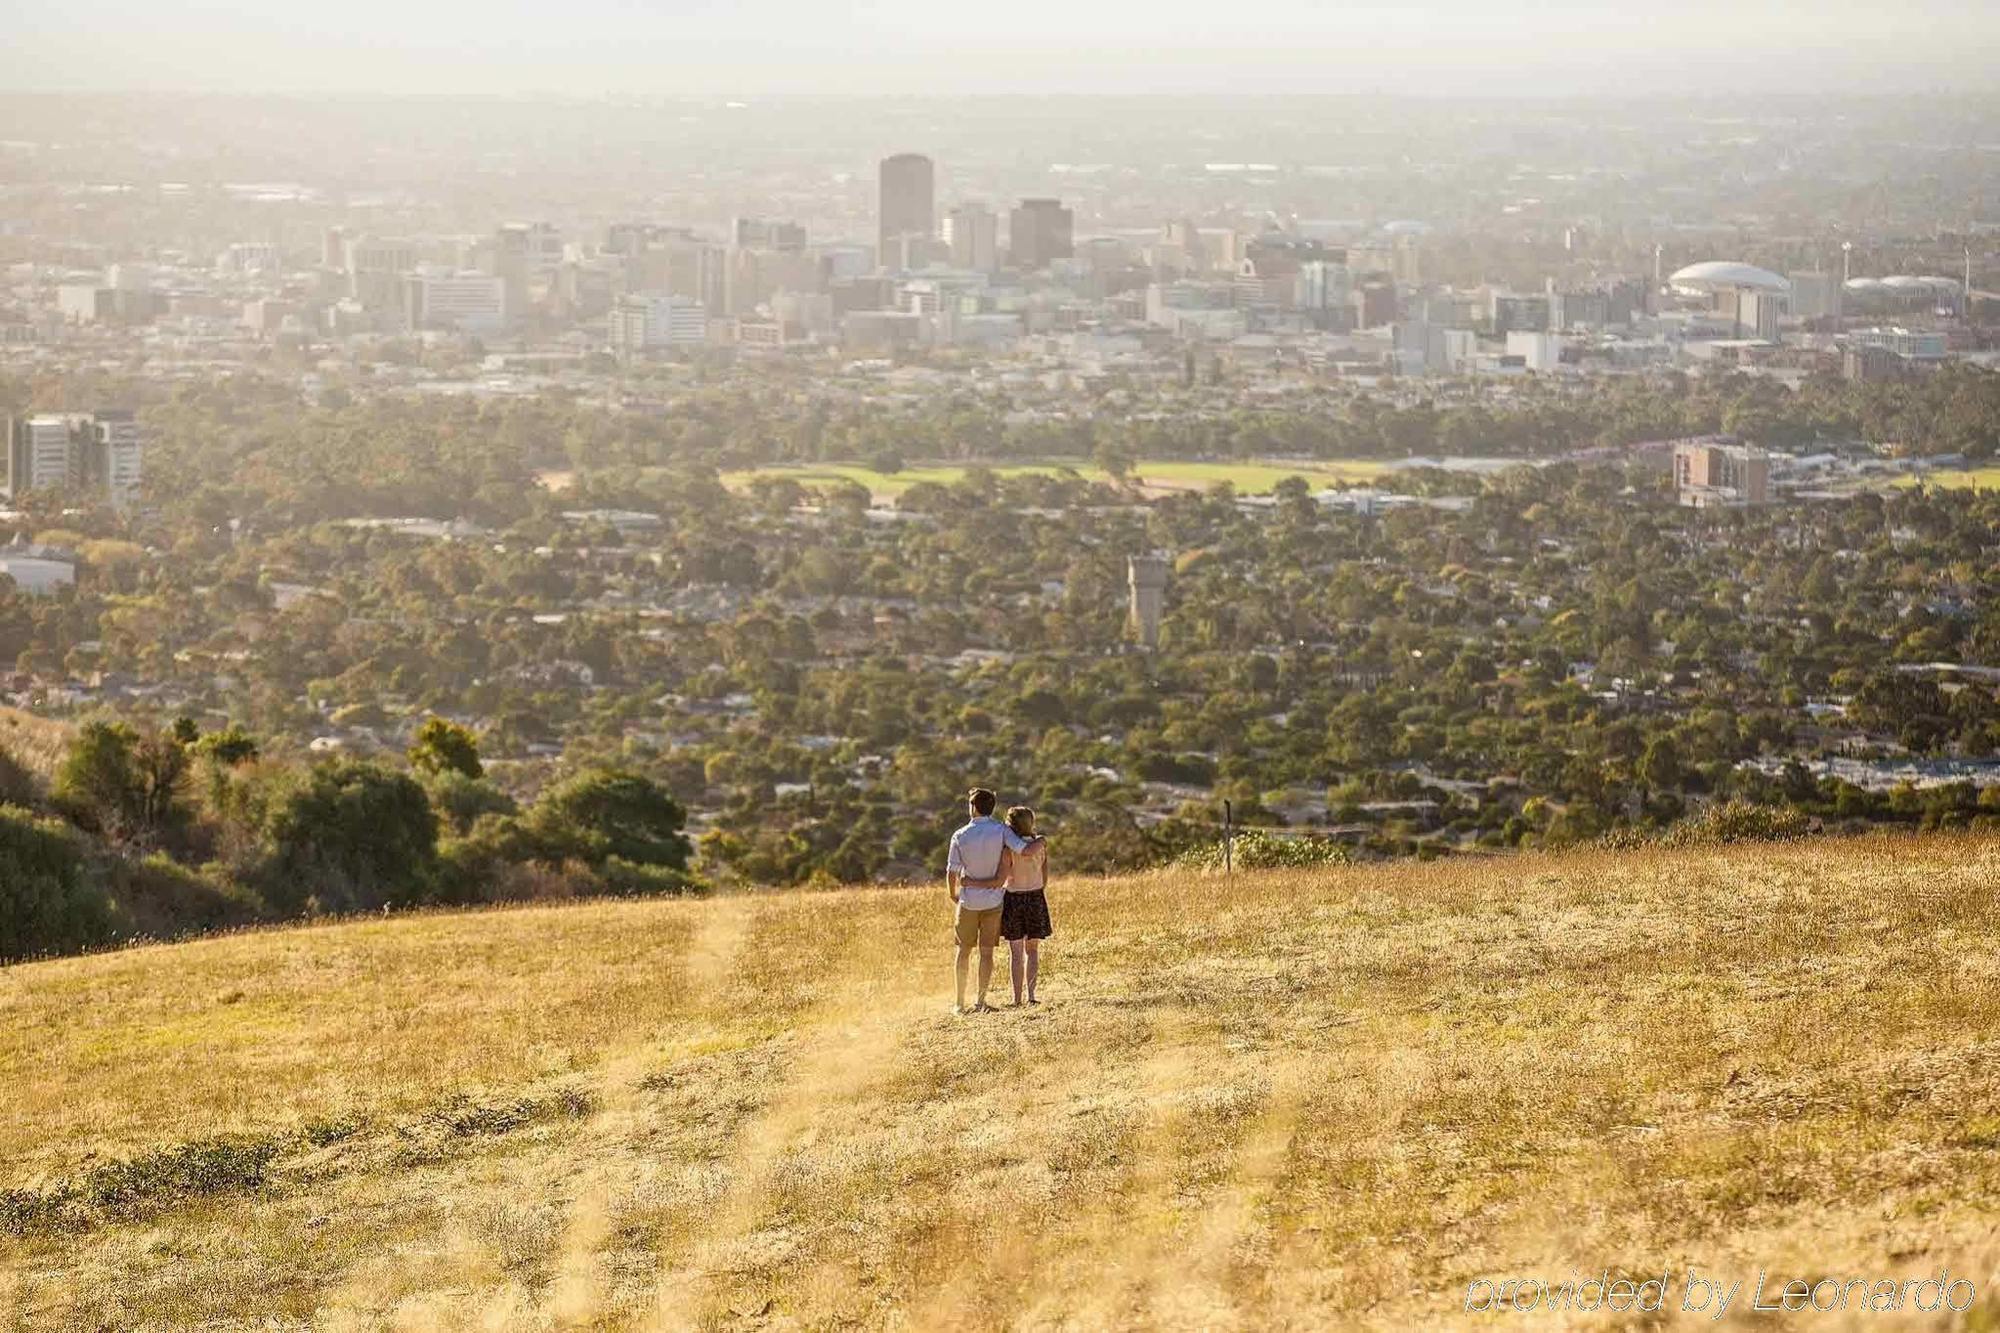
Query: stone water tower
{"type": "Point", "coordinates": [1147, 575]}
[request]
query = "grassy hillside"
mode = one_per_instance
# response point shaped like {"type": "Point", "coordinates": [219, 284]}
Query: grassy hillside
{"type": "Point", "coordinates": [37, 744]}
{"type": "Point", "coordinates": [1288, 1099]}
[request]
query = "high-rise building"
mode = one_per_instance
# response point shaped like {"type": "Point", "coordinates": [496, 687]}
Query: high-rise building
{"type": "Point", "coordinates": [375, 270]}
{"type": "Point", "coordinates": [1509, 312]}
{"type": "Point", "coordinates": [908, 201]}
{"type": "Point", "coordinates": [1147, 578]}
{"type": "Point", "coordinates": [469, 302]}
{"type": "Point", "coordinates": [1039, 232]}
{"type": "Point", "coordinates": [652, 320]}
{"type": "Point", "coordinates": [115, 457]}
{"type": "Point", "coordinates": [973, 232]}
{"type": "Point", "coordinates": [1181, 248]}
{"type": "Point", "coordinates": [1709, 474]}
{"type": "Point", "coordinates": [100, 451]}
{"type": "Point", "coordinates": [526, 256]}
{"type": "Point", "coordinates": [764, 234]}
{"type": "Point", "coordinates": [41, 454]}
{"type": "Point", "coordinates": [1374, 304]}
{"type": "Point", "coordinates": [1569, 310]}
{"type": "Point", "coordinates": [674, 260]}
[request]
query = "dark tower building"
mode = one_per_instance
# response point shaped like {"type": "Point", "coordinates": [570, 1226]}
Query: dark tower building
{"type": "Point", "coordinates": [908, 204]}
{"type": "Point", "coordinates": [1039, 232]}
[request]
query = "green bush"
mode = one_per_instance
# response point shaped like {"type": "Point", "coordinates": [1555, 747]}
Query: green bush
{"type": "Point", "coordinates": [184, 1171]}
{"type": "Point", "coordinates": [1725, 822]}
{"type": "Point", "coordinates": [446, 747]}
{"type": "Point", "coordinates": [124, 783]}
{"type": "Point", "coordinates": [1739, 821]}
{"type": "Point", "coordinates": [161, 900]}
{"type": "Point", "coordinates": [626, 877]}
{"type": "Point", "coordinates": [48, 902]}
{"type": "Point", "coordinates": [1257, 850]}
{"type": "Point", "coordinates": [346, 837]}
{"type": "Point", "coordinates": [604, 813]}
{"type": "Point", "coordinates": [460, 801]}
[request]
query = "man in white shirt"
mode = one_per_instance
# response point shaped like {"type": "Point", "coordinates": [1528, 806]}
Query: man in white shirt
{"type": "Point", "coordinates": [972, 877]}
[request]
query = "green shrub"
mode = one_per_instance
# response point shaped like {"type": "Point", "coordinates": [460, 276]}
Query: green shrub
{"type": "Point", "coordinates": [1740, 821]}
{"type": "Point", "coordinates": [1725, 822]}
{"type": "Point", "coordinates": [630, 878]}
{"type": "Point", "coordinates": [348, 836]}
{"type": "Point", "coordinates": [187, 1170]}
{"type": "Point", "coordinates": [48, 902]}
{"type": "Point", "coordinates": [161, 900]}
{"type": "Point", "coordinates": [1258, 850]}
{"type": "Point", "coordinates": [601, 814]}
{"type": "Point", "coordinates": [124, 783]}
{"type": "Point", "coordinates": [23, 1211]}
{"type": "Point", "coordinates": [446, 747]}
{"type": "Point", "coordinates": [460, 801]}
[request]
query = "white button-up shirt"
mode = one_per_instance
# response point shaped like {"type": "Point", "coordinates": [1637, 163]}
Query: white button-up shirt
{"type": "Point", "coordinates": [975, 854]}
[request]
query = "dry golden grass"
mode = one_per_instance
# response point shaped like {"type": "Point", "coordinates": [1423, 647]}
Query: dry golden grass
{"type": "Point", "coordinates": [38, 744]}
{"type": "Point", "coordinates": [1288, 1100]}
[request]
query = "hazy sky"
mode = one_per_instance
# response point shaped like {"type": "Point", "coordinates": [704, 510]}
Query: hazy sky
{"type": "Point", "coordinates": [705, 47]}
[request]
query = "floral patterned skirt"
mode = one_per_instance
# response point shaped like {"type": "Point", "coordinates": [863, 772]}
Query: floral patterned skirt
{"type": "Point", "coordinates": [1024, 915]}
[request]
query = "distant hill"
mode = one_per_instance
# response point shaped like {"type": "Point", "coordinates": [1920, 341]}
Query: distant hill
{"type": "Point", "coordinates": [1285, 1099]}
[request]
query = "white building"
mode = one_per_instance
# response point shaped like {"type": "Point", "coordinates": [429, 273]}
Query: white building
{"type": "Point", "coordinates": [1914, 344]}
{"type": "Point", "coordinates": [121, 456]}
{"type": "Point", "coordinates": [468, 302]}
{"type": "Point", "coordinates": [1538, 351]}
{"type": "Point", "coordinates": [1322, 285]}
{"type": "Point", "coordinates": [251, 257]}
{"type": "Point", "coordinates": [51, 451]}
{"type": "Point", "coordinates": [1458, 348]}
{"type": "Point", "coordinates": [973, 232]}
{"type": "Point", "coordinates": [41, 454]}
{"type": "Point", "coordinates": [1751, 298]}
{"type": "Point", "coordinates": [82, 302]}
{"type": "Point", "coordinates": [652, 320]}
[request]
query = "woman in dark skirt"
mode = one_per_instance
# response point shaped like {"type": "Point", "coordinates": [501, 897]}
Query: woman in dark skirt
{"type": "Point", "coordinates": [1024, 912]}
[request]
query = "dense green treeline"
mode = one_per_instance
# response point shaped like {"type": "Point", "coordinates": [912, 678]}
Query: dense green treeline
{"type": "Point", "coordinates": [146, 833]}
{"type": "Point", "coordinates": [245, 449]}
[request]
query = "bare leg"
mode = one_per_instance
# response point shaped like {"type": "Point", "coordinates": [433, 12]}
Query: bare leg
{"type": "Point", "coordinates": [1034, 949]}
{"type": "Point", "coordinates": [964, 957]}
{"type": "Point", "coordinates": [985, 972]}
{"type": "Point", "coordinates": [1017, 964]}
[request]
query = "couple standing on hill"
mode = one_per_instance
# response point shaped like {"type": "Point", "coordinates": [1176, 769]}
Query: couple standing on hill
{"type": "Point", "coordinates": [996, 873]}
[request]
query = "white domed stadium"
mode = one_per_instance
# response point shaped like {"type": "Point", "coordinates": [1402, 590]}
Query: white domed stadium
{"type": "Point", "coordinates": [1715, 275]}
{"type": "Point", "coordinates": [1751, 298]}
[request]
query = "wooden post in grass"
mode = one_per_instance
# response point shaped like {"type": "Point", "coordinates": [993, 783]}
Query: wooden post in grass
{"type": "Point", "coordinates": [1228, 838]}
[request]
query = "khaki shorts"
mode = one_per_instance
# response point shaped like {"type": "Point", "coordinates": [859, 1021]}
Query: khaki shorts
{"type": "Point", "coordinates": [974, 926]}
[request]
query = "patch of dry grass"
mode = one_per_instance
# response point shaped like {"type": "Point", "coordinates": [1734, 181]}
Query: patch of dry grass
{"type": "Point", "coordinates": [37, 744]}
{"type": "Point", "coordinates": [1291, 1099]}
